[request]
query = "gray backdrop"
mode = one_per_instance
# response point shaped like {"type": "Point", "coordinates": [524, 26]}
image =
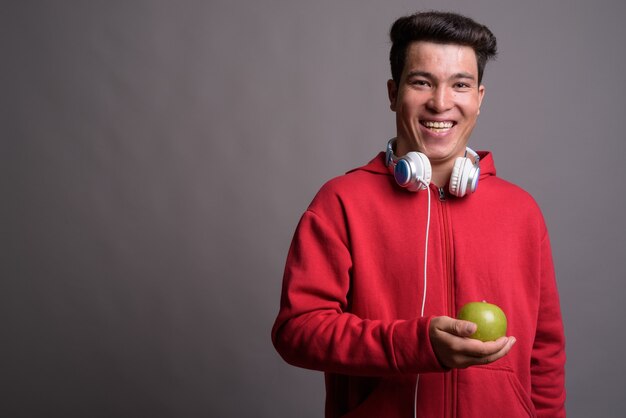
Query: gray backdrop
{"type": "Point", "coordinates": [156, 157]}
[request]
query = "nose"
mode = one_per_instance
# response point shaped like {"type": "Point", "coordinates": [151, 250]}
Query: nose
{"type": "Point", "coordinates": [441, 100]}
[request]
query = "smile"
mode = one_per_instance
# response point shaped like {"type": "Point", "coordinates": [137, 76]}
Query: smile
{"type": "Point", "coordinates": [438, 126]}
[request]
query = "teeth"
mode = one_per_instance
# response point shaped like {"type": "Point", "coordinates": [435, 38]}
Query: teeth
{"type": "Point", "coordinates": [438, 125]}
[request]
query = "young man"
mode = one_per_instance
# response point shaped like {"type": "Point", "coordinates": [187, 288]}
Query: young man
{"type": "Point", "coordinates": [385, 256]}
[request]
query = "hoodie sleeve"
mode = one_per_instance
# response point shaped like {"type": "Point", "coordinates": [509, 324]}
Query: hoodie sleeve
{"type": "Point", "coordinates": [548, 354]}
{"type": "Point", "coordinates": [314, 328]}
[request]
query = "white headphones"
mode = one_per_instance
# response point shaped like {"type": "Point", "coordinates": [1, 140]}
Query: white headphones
{"type": "Point", "coordinates": [413, 171]}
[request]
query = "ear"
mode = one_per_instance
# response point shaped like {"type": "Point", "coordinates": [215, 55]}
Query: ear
{"type": "Point", "coordinates": [392, 92]}
{"type": "Point", "coordinates": [481, 94]}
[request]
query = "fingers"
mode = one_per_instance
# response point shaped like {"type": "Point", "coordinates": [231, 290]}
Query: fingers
{"type": "Point", "coordinates": [486, 356]}
{"type": "Point", "coordinates": [476, 348]}
{"type": "Point", "coordinates": [463, 347]}
{"type": "Point", "coordinates": [455, 326]}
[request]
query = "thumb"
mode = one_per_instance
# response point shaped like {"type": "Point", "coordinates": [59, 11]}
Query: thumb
{"type": "Point", "coordinates": [462, 328]}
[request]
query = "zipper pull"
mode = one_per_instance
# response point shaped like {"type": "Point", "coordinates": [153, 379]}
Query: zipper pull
{"type": "Point", "coordinates": [442, 194]}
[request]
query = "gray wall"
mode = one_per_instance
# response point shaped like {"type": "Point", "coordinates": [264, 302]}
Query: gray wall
{"type": "Point", "coordinates": [156, 157]}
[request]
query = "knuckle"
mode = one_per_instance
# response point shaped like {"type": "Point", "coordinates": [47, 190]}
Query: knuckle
{"type": "Point", "coordinates": [483, 351]}
{"type": "Point", "coordinates": [487, 360]}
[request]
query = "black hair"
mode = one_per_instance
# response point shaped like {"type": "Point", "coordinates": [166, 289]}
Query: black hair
{"type": "Point", "coordinates": [439, 27]}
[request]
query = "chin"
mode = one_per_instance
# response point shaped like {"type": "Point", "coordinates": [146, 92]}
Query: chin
{"type": "Point", "coordinates": [438, 153]}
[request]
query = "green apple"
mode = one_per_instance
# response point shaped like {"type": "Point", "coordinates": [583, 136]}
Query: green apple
{"type": "Point", "coordinates": [489, 318]}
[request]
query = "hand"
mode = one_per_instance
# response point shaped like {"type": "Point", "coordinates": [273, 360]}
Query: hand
{"type": "Point", "coordinates": [453, 348]}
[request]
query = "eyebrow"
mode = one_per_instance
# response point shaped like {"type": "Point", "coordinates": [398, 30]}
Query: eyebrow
{"type": "Point", "coordinates": [426, 74]}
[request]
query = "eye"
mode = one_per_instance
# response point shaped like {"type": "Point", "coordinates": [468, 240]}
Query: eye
{"type": "Point", "coordinates": [419, 82]}
{"type": "Point", "coordinates": [462, 85]}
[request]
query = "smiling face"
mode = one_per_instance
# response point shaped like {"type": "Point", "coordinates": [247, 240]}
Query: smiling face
{"type": "Point", "coordinates": [437, 102]}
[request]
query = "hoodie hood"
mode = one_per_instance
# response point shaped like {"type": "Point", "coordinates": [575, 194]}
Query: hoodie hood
{"type": "Point", "coordinates": [377, 165]}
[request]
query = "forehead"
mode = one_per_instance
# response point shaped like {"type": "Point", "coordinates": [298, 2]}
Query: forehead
{"type": "Point", "coordinates": [438, 58]}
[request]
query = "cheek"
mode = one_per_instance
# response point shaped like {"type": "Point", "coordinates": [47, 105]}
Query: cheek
{"type": "Point", "coordinates": [471, 109]}
{"type": "Point", "coordinates": [408, 113]}
{"type": "Point", "coordinates": [410, 104]}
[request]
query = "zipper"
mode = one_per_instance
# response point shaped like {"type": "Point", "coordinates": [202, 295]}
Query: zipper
{"type": "Point", "coordinates": [451, 377]}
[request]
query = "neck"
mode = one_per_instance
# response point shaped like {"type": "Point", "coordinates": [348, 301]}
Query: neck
{"type": "Point", "coordinates": [441, 173]}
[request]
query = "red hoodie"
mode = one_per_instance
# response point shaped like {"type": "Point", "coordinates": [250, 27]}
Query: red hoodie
{"type": "Point", "coordinates": [353, 288]}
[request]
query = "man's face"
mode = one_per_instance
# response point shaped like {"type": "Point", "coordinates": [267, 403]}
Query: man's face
{"type": "Point", "coordinates": [437, 101]}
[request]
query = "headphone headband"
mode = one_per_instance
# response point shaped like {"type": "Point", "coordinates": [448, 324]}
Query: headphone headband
{"type": "Point", "coordinates": [474, 155]}
{"type": "Point", "coordinates": [390, 157]}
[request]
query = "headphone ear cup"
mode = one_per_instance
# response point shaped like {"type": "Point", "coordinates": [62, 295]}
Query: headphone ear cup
{"type": "Point", "coordinates": [464, 178]}
{"type": "Point", "coordinates": [413, 171]}
{"type": "Point", "coordinates": [424, 177]}
{"type": "Point", "coordinates": [460, 177]}
{"type": "Point", "coordinates": [472, 180]}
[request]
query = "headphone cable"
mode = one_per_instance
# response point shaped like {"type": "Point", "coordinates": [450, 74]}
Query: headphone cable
{"type": "Point", "coordinates": [417, 379]}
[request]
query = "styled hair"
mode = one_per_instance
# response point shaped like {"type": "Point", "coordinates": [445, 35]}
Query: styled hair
{"type": "Point", "coordinates": [443, 28]}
